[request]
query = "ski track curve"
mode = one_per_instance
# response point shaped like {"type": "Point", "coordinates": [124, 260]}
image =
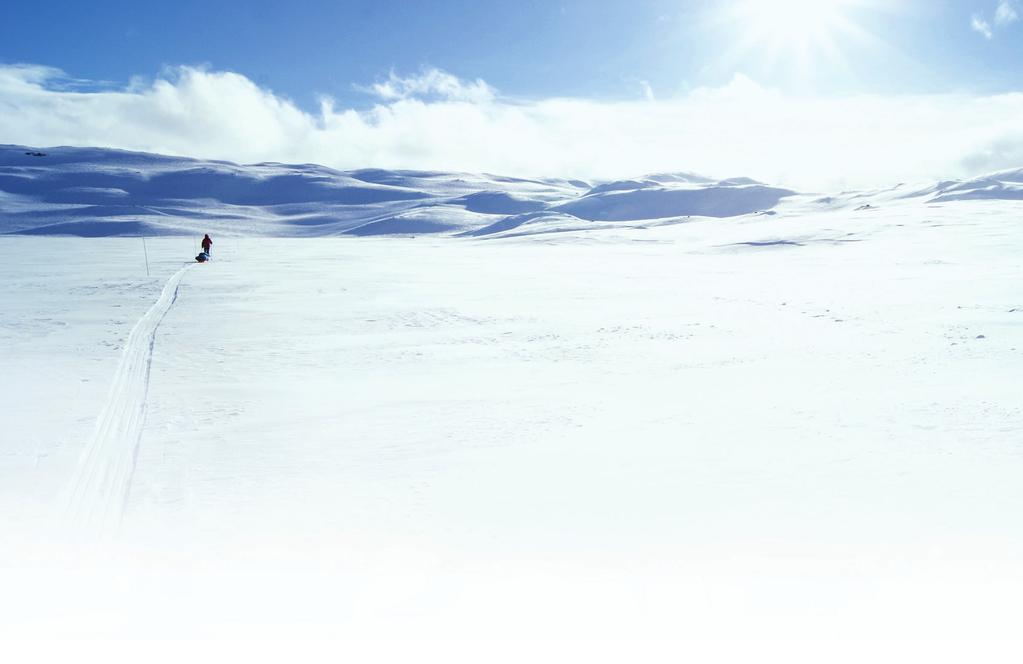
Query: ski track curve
{"type": "Point", "coordinates": [99, 490]}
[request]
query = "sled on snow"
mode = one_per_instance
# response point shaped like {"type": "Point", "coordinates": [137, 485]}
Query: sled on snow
{"type": "Point", "coordinates": [202, 257]}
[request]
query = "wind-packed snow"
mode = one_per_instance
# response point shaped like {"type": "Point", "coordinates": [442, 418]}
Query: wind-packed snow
{"type": "Point", "coordinates": [656, 439]}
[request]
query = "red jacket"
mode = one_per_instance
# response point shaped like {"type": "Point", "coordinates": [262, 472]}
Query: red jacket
{"type": "Point", "coordinates": [207, 243]}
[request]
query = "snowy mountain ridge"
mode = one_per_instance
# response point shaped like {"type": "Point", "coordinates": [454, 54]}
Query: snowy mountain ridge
{"type": "Point", "coordinates": [92, 192]}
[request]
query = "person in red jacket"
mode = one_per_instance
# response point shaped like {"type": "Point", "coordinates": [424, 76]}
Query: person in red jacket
{"type": "Point", "coordinates": [207, 244]}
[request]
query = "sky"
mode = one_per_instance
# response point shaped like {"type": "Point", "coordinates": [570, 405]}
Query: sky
{"type": "Point", "coordinates": [811, 93]}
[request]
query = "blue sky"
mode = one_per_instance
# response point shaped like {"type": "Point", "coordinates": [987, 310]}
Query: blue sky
{"type": "Point", "coordinates": [528, 48]}
{"type": "Point", "coordinates": [815, 94]}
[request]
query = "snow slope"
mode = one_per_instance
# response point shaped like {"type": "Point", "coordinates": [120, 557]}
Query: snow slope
{"type": "Point", "coordinates": [97, 192]}
{"type": "Point", "coordinates": [658, 202]}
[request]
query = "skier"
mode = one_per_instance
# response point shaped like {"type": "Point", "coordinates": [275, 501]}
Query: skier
{"type": "Point", "coordinates": [207, 244]}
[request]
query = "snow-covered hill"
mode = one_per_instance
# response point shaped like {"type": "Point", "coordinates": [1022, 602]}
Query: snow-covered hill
{"type": "Point", "coordinates": [101, 192]}
{"type": "Point", "coordinates": [94, 192]}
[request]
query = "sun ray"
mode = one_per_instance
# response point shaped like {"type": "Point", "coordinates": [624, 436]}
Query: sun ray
{"type": "Point", "coordinates": [805, 38]}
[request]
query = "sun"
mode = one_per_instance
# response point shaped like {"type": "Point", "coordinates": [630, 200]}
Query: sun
{"type": "Point", "coordinates": [795, 32]}
{"type": "Point", "coordinates": [785, 20]}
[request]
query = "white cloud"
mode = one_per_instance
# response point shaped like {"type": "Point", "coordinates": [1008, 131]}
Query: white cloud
{"type": "Point", "coordinates": [981, 26]}
{"type": "Point", "coordinates": [1006, 13]}
{"type": "Point", "coordinates": [741, 128]}
{"type": "Point", "coordinates": [648, 91]}
{"type": "Point", "coordinates": [431, 83]}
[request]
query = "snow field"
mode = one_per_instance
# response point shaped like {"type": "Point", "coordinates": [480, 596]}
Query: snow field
{"type": "Point", "coordinates": [710, 437]}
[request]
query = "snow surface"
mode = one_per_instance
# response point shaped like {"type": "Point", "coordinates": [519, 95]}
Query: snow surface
{"type": "Point", "coordinates": [787, 437]}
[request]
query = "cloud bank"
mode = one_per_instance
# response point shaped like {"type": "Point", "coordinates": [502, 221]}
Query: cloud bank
{"type": "Point", "coordinates": [434, 120]}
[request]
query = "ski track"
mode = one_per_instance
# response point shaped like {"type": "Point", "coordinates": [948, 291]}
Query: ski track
{"type": "Point", "coordinates": [99, 491]}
